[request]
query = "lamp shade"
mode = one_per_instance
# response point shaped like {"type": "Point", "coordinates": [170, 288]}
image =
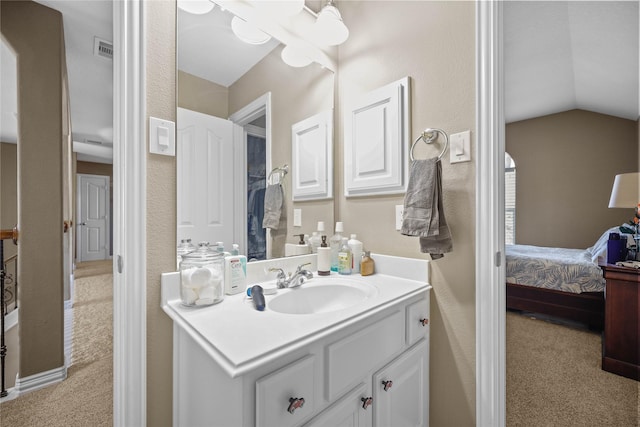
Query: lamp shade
{"type": "Point", "coordinates": [626, 191]}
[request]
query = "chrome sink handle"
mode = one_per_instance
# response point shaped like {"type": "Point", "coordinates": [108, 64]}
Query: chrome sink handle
{"type": "Point", "coordinates": [299, 269]}
{"type": "Point", "coordinates": [282, 277]}
{"type": "Point", "coordinates": [295, 280]}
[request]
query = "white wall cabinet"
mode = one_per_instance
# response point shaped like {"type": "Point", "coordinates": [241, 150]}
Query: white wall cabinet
{"type": "Point", "coordinates": [312, 162]}
{"type": "Point", "coordinates": [376, 141]}
{"type": "Point", "coordinates": [334, 380]}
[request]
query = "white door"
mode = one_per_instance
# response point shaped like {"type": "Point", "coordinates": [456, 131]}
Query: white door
{"type": "Point", "coordinates": [93, 217]}
{"type": "Point", "coordinates": [206, 172]}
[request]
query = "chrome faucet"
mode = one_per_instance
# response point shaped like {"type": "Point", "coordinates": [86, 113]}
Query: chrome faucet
{"type": "Point", "coordinates": [295, 280]}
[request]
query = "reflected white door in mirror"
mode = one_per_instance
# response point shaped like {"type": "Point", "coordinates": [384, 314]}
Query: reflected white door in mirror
{"type": "Point", "coordinates": [205, 172]}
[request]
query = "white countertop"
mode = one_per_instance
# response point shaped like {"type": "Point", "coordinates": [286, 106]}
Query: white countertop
{"type": "Point", "coordinates": [241, 338]}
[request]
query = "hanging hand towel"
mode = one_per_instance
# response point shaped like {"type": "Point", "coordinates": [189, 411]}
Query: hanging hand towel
{"type": "Point", "coordinates": [273, 203]}
{"type": "Point", "coordinates": [423, 210]}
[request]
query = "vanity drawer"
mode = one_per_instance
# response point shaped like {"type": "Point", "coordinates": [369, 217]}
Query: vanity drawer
{"type": "Point", "coordinates": [418, 320]}
{"type": "Point", "coordinates": [352, 357]}
{"type": "Point", "coordinates": [275, 394]}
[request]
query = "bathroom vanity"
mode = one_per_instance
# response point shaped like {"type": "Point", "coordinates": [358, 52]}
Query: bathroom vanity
{"type": "Point", "coordinates": [338, 350]}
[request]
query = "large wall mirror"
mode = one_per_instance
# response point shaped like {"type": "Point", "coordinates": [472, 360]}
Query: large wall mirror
{"type": "Point", "coordinates": [237, 102]}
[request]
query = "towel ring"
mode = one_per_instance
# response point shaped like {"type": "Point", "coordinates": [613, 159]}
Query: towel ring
{"type": "Point", "coordinates": [428, 136]}
{"type": "Point", "coordinates": [281, 171]}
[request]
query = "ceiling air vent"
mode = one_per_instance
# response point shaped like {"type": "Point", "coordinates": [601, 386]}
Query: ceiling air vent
{"type": "Point", "coordinates": [102, 48]}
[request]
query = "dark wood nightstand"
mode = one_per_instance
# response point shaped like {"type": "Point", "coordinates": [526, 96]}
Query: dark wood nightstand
{"type": "Point", "coordinates": [620, 344]}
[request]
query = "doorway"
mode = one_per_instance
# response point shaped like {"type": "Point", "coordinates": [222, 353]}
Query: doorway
{"type": "Point", "coordinates": [93, 217]}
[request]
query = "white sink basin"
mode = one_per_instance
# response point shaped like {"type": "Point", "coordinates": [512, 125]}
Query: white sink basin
{"type": "Point", "coordinates": [321, 295]}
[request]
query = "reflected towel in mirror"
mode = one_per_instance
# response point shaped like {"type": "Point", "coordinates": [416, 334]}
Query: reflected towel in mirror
{"type": "Point", "coordinates": [273, 203]}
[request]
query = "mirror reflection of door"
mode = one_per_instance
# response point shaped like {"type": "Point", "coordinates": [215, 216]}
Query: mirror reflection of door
{"type": "Point", "coordinates": [93, 217]}
{"type": "Point", "coordinates": [206, 171]}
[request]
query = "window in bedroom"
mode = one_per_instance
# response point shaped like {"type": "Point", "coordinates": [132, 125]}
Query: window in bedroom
{"type": "Point", "coordinates": [509, 200]}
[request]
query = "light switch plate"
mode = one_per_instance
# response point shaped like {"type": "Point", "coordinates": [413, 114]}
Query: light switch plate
{"type": "Point", "coordinates": [162, 136]}
{"type": "Point", "coordinates": [460, 147]}
{"type": "Point", "coordinates": [399, 214]}
{"type": "Point", "coordinates": [297, 217]}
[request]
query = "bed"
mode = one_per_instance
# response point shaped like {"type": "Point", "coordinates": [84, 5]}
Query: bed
{"type": "Point", "coordinates": [560, 282]}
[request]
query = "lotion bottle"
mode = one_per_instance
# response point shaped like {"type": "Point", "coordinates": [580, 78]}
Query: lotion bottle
{"type": "Point", "coordinates": [335, 242]}
{"type": "Point", "coordinates": [356, 252]}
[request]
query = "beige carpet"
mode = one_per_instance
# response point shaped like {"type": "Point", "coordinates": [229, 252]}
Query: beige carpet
{"type": "Point", "coordinates": [85, 397]}
{"type": "Point", "coordinates": [554, 379]}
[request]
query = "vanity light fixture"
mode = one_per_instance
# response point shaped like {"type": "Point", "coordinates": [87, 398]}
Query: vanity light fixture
{"type": "Point", "coordinates": [295, 57]}
{"type": "Point", "coordinates": [196, 7]}
{"type": "Point", "coordinates": [247, 32]}
{"type": "Point", "coordinates": [280, 7]}
{"type": "Point", "coordinates": [329, 28]}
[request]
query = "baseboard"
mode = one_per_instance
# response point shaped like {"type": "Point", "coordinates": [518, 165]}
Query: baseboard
{"type": "Point", "coordinates": [40, 380]}
{"type": "Point", "coordinates": [11, 319]}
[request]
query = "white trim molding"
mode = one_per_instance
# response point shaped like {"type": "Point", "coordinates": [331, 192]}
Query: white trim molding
{"type": "Point", "coordinates": [490, 272]}
{"type": "Point", "coordinates": [40, 380]}
{"type": "Point", "coordinates": [129, 215]}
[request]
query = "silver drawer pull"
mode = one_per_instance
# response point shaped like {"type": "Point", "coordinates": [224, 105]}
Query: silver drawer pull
{"type": "Point", "coordinates": [295, 403]}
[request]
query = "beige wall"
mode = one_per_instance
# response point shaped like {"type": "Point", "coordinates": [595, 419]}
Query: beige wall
{"type": "Point", "coordinates": [9, 192]}
{"type": "Point", "coordinates": [197, 94]}
{"type": "Point", "coordinates": [161, 208]}
{"type": "Point", "coordinates": [35, 32]}
{"type": "Point", "coordinates": [434, 44]}
{"type": "Point", "coordinates": [565, 167]}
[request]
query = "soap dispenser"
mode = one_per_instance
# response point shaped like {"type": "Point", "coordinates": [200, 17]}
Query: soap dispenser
{"type": "Point", "coordinates": [324, 258]}
{"type": "Point", "coordinates": [367, 266]}
{"type": "Point", "coordinates": [302, 248]}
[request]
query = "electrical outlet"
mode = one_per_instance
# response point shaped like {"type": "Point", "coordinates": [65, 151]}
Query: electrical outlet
{"type": "Point", "coordinates": [399, 214]}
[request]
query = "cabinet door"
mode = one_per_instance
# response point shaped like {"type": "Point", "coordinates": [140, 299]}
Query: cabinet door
{"type": "Point", "coordinates": [286, 397]}
{"type": "Point", "coordinates": [405, 402]}
{"type": "Point", "coordinates": [348, 411]}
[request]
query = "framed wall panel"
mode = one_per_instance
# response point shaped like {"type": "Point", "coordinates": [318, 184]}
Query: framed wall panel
{"type": "Point", "coordinates": [312, 152]}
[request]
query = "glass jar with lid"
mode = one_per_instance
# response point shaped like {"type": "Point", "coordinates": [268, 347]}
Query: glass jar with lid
{"type": "Point", "coordinates": [202, 277]}
{"type": "Point", "coordinates": [184, 248]}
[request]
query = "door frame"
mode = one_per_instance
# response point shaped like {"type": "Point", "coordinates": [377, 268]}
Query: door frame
{"type": "Point", "coordinates": [129, 214]}
{"type": "Point", "coordinates": [79, 198]}
{"type": "Point", "coordinates": [490, 269]}
{"type": "Point", "coordinates": [244, 116]}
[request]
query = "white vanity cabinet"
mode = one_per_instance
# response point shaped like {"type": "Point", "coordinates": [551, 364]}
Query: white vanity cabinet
{"type": "Point", "coordinates": [339, 380]}
{"type": "Point", "coordinates": [366, 365]}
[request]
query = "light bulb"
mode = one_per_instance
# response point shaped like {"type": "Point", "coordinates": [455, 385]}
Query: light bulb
{"type": "Point", "coordinates": [295, 57]}
{"type": "Point", "coordinates": [196, 7]}
{"type": "Point", "coordinates": [248, 33]}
